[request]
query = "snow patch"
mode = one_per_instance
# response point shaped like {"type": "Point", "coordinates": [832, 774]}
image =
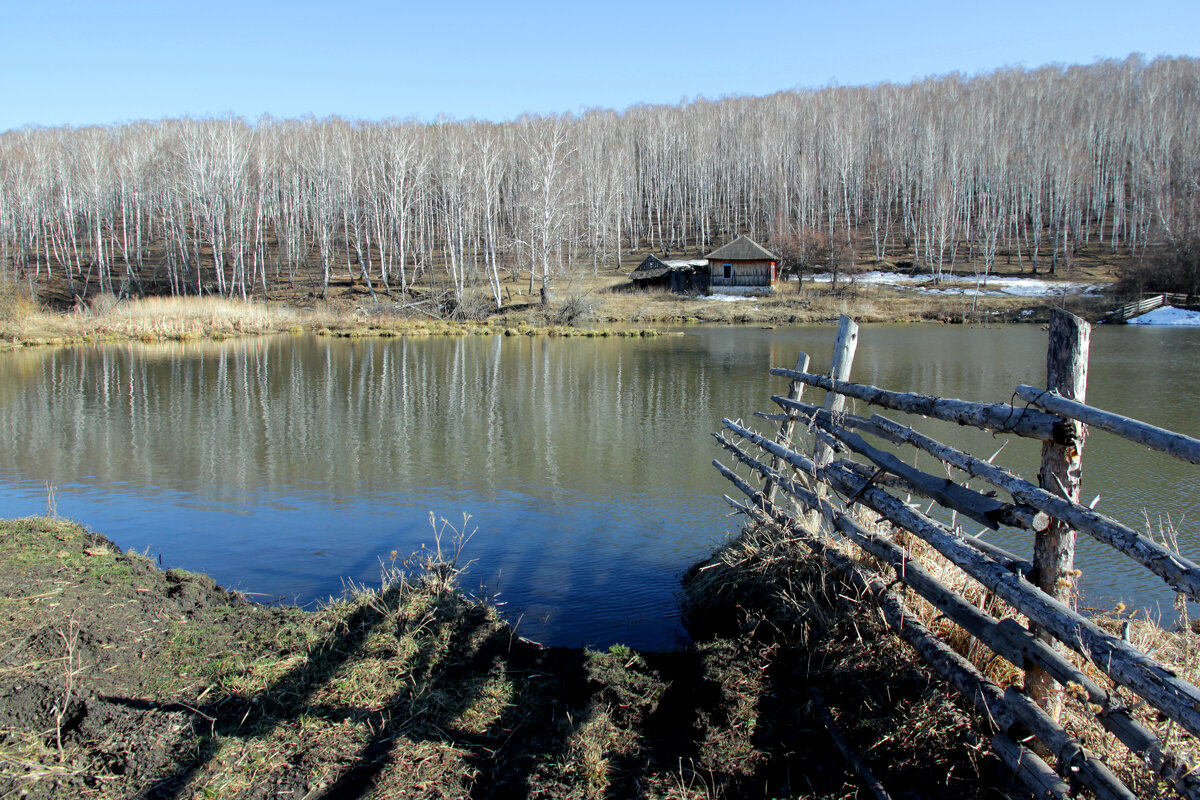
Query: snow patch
{"type": "Point", "coordinates": [724, 298]}
{"type": "Point", "coordinates": [967, 284]}
{"type": "Point", "coordinates": [1168, 316]}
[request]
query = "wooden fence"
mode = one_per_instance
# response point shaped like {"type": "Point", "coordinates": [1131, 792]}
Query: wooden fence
{"type": "Point", "coordinates": [1131, 310]}
{"type": "Point", "coordinates": [826, 497]}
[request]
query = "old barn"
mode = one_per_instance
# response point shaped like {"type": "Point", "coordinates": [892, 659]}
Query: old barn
{"type": "Point", "coordinates": [741, 267]}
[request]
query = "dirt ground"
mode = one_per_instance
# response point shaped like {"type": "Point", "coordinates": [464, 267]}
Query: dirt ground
{"type": "Point", "coordinates": [120, 680]}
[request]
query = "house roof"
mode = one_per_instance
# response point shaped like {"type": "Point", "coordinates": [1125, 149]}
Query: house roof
{"type": "Point", "coordinates": [743, 248]}
{"type": "Point", "coordinates": [653, 267]}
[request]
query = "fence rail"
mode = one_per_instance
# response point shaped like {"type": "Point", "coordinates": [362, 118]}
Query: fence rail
{"type": "Point", "coordinates": [823, 500]}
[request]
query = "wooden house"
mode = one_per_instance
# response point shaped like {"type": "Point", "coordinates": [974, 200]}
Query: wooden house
{"type": "Point", "coordinates": [743, 267]}
{"type": "Point", "coordinates": [740, 267]}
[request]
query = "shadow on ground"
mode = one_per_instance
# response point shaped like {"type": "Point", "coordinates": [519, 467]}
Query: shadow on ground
{"type": "Point", "coordinates": [119, 680]}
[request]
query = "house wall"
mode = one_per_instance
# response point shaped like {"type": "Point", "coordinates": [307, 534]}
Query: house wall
{"type": "Point", "coordinates": [744, 273]}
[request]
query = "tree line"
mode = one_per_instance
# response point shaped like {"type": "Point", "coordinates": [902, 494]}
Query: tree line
{"type": "Point", "coordinates": [1030, 163]}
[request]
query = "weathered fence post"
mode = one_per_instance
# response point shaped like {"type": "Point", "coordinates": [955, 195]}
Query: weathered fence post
{"type": "Point", "coordinates": [843, 357]}
{"type": "Point", "coordinates": [1054, 548]}
{"type": "Point", "coordinates": [795, 392]}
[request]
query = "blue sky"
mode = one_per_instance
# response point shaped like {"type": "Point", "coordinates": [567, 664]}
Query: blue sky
{"type": "Point", "coordinates": [80, 63]}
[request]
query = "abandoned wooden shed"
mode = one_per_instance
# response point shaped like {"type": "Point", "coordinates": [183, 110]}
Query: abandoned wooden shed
{"type": "Point", "coordinates": [682, 276]}
{"type": "Point", "coordinates": [743, 267]}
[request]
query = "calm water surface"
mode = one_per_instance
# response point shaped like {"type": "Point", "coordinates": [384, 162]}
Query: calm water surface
{"type": "Point", "coordinates": [286, 466]}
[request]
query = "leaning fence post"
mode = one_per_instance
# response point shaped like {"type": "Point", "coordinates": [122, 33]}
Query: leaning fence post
{"type": "Point", "coordinates": [1060, 473]}
{"type": "Point", "coordinates": [795, 392]}
{"type": "Point", "coordinates": [843, 358]}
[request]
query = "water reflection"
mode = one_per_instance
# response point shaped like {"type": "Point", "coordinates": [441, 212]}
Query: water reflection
{"type": "Point", "coordinates": [286, 465]}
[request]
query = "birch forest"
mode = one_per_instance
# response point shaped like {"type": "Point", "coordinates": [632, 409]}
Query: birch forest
{"type": "Point", "coordinates": [1029, 166]}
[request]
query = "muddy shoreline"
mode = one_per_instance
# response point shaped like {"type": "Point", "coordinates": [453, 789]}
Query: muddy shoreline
{"type": "Point", "coordinates": [119, 679]}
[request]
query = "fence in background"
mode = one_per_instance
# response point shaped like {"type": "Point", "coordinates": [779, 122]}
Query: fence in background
{"type": "Point", "coordinates": [1131, 310]}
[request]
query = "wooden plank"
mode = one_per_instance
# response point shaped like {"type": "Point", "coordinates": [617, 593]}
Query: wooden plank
{"type": "Point", "coordinates": [1041, 780]}
{"type": "Point", "coordinates": [1061, 474]}
{"type": "Point", "coordinates": [972, 504]}
{"type": "Point", "coordinates": [1016, 515]}
{"type": "Point", "coordinates": [999, 417]}
{"type": "Point", "coordinates": [1179, 572]}
{"type": "Point", "coordinates": [757, 497]}
{"type": "Point", "coordinates": [820, 415]}
{"type": "Point", "coordinates": [1176, 444]}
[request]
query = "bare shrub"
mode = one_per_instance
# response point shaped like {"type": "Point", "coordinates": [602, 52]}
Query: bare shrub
{"type": "Point", "coordinates": [471, 307]}
{"type": "Point", "coordinates": [574, 309]}
{"type": "Point", "coordinates": [15, 305]}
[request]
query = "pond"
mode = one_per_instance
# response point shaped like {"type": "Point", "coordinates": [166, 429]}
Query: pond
{"type": "Point", "coordinates": [288, 466]}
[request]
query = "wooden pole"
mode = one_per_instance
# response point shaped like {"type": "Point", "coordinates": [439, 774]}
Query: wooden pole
{"type": "Point", "coordinates": [1152, 436]}
{"type": "Point", "coordinates": [795, 392]}
{"type": "Point", "coordinates": [999, 417]}
{"type": "Point", "coordinates": [1061, 472]}
{"type": "Point", "coordinates": [1182, 574]}
{"type": "Point", "coordinates": [843, 357]}
{"type": "Point", "coordinates": [851, 755]}
{"type": "Point", "coordinates": [987, 698]}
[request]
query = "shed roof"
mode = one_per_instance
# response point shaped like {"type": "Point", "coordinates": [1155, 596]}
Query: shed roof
{"type": "Point", "coordinates": [653, 267]}
{"type": "Point", "coordinates": [743, 248]}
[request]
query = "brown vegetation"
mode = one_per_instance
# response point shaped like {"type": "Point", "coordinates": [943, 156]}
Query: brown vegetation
{"type": "Point", "coordinates": [118, 679]}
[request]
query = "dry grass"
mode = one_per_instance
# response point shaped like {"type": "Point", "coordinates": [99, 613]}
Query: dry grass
{"type": "Point", "coordinates": [410, 689]}
{"type": "Point", "coordinates": [182, 318]}
{"type": "Point", "coordinates": [148, 319]}
{"type": "Point", "coordinates": [16, 305]}
{"type": "Point", "coordinates": [192, 319]}
{"type": "Point", "coordinates": [913, 731]}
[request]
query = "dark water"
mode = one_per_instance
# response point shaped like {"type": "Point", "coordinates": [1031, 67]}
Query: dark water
{"type": "Point", "coordinates": [286, 466]}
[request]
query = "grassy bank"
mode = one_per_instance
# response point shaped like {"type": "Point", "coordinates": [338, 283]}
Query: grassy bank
{"type": "Point", "coordinates": [595, 306]}
{"type": "Point", "coordinates": [118, 679]}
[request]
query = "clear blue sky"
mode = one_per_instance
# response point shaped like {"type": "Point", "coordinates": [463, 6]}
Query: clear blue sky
{"type": "Point", "coordinates": [91, 62]}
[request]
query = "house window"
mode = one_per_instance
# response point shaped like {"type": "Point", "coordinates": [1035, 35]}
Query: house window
{"type": "Point", "coordinates": [727, 271]}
